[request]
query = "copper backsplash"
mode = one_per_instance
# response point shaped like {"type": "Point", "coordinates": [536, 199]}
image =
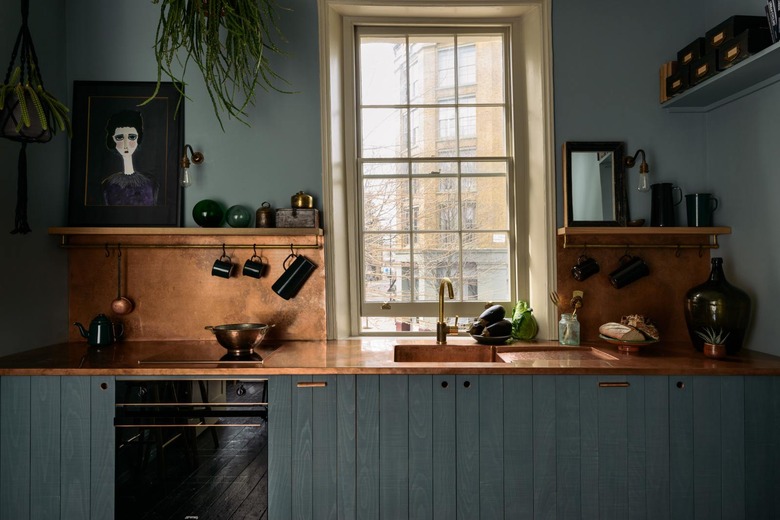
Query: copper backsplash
{"type": "Point", "coordinates": [176, 296]}
{"type": "Point", "coordinates": [659, 296]}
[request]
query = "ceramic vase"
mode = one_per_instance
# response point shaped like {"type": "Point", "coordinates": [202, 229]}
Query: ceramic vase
{"type": "Point", "coordinates": [718, 305]}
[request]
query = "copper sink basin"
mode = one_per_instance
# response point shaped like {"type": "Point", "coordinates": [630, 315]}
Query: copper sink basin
{"type": "Point", "coordinates": [432, 353]}
{"type": "Point", "coordinates": [476, 353]}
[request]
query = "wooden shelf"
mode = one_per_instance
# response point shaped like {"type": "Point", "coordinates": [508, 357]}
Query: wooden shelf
{"type": "Point", "coordinates": [188, 238]}
{"type": "Point", "coordinates": [643, 231]}
{"type": "Point", "coordinates": [746, 77]}
{"type": "Point", "coordinates": [643, 237]}
{"type": "Point", "coordinates": [187, 231]}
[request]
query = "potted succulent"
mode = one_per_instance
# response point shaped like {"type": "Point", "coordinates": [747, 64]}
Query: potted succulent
{"type": "Point", "coordinates": [714, 342]}
{"type": "Point", "coordinates": [229, 41]}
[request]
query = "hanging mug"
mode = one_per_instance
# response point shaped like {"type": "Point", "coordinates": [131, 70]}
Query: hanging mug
{"type": "Point", "coordinates": [254, 267]}
{"type": "Point", "coordinates": [585, 268]}
{"type": "Point", "coordinates": [631, 269]}
{"type": "Point", "coordinates": [294, 276]}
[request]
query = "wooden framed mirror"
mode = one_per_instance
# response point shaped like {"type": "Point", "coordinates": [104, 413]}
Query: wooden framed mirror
{"type": "Point", "coordinates": [594, 192]}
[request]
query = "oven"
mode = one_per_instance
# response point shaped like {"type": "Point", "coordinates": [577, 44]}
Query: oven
{"type": "Point", "coordinates": [191, 448]}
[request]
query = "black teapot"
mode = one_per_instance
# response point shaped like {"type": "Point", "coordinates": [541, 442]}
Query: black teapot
{"type": "Point", "coordinates": [101, 331]}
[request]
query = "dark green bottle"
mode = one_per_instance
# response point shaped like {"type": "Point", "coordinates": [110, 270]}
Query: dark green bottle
{"type": "Point", "coordinates": [717, 305]}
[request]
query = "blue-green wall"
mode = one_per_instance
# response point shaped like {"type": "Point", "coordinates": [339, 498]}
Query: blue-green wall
{"type": "Point", "coordinates": [606, 59]}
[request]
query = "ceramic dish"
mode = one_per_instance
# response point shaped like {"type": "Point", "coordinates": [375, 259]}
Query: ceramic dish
{"type": "Point", "coordinates": [628, 346]}
{"type": "Point", "coordinates": [491, 340]}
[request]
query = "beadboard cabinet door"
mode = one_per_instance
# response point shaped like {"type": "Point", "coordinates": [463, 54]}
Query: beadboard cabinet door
{"type": "Point", "coordinates": [56, 447]}
{"type": "Point", "coordinates": [303, 446]}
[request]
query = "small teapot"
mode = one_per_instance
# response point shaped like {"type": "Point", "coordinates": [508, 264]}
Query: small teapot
{"type": "Point", "coordinates": [101, 331]}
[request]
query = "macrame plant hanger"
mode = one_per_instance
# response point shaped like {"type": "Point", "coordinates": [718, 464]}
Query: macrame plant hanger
{"type": "Point", "coordinates": [28, 113]}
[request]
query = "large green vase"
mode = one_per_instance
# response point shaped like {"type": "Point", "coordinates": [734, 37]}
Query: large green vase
{"type": "Point", "coordinates": [718, 305]}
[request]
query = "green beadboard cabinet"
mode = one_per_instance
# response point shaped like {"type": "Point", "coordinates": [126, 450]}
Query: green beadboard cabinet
{"type": "Point", "coordinates": [56, 447]}
{"type": "Point", "coordinates": [484, 446]}
{"type": "Point", "coordinates": [439, 446]}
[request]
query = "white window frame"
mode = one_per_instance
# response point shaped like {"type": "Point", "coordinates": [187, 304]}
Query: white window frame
{"type": "Point", "coordinates": [534, 206]}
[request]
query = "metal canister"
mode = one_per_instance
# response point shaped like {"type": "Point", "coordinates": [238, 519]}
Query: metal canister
{"type": "Point", "coordinates": [302, 200]}
{"type": "Point", "coordinates": [264, 217]}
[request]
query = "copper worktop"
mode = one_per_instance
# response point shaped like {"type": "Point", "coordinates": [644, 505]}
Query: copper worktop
{"type": "Point", "coordinates": [362, 356]}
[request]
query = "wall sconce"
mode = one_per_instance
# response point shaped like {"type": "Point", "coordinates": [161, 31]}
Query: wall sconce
{"type": "Point", "coordinates": [644, 169]}
{"type": "Point", "coordinates": [185, 180]}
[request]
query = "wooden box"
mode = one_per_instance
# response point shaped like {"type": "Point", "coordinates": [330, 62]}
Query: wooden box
{"type": "Point", "coordinates": [297, 218]}
{"type": "Point", "coordinates": [731, 27]}
{"type": "Point", "coordinates": [741, 46]}
{"type": "Point", "coordinates": [690, 52]}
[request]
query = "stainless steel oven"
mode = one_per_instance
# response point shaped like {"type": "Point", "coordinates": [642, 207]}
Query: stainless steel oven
{"type": "Point", "coordinates": [191, 448]}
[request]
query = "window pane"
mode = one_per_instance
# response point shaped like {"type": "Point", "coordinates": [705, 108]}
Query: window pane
{"type": "Point", "coordinates": [487, 255]}
{"type": "Point", "coordinates": [386, 273]}
{"type": "Point", "coordinates": [382, 133]}
{"type": "Point", "coordinates": [434, 197]}
{"type": "Point", "coordinates": [385, 168]}
{"type": "Point", "coordinates": [386, 205]}
{"type": "Point", "coordinates": [426, 167]}
{"type": "Point", "coordinates": [437, 256]}
{"type": "Point", "coordinates": [481, 67]}
{"type": "Point", "coordinates": [489, 194]}
{"type": "Point", "coordinates": [383, 70]}
{"type": "Point", "coordinates": [487, 167]}
{"type": "Point", "coordinates": [490, 136]}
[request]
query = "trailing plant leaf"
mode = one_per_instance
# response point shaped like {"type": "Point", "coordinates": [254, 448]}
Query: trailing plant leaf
{"type": "Point", "coordinates": [228, 41]}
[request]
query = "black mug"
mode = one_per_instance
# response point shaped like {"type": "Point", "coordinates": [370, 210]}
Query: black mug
{"type": "Point", "coordinates": [294, 276]}
{"type": "Point", "coordinates": [700, 207]}
{"type": "Point", "coordinates": [585, 268]}
{"type": "Point", "coordinates": [662, 204]}
{"type": "Point", "coordinates": [631, 269]}
{"type": "Point", "coordinates": [222, 267]}
{"type": "Point", "coordinates": [254, 267]}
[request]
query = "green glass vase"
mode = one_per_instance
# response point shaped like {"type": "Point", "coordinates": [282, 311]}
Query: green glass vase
{"type": "Point", "coordinates": [719, 306]}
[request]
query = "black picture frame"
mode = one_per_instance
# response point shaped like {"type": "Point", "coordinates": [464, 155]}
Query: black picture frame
{"type": "Point", "coordinates": [102, 192]}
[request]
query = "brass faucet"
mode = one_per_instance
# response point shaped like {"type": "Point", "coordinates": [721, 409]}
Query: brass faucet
{"type": "Point", "coordinates": [442, 329]}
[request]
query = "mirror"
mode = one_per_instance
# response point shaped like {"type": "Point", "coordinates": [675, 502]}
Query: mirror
{"type": "Point", "coordinates": [593, 184]}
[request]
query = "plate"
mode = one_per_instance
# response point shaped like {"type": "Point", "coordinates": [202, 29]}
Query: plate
{"type": "Point", "coordinates": [628, 346]}
{"type": "Point", "coordinates": [491, 340]}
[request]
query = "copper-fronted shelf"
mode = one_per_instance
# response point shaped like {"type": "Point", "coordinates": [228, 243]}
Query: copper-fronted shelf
{"type": "Point", "coordinates": [643, 237]}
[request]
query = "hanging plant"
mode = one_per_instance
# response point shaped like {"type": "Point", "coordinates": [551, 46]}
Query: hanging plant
{"type": "Point", "coordinates": [228, 40]}
{"type": "Point", "coordinates": [28, 113]}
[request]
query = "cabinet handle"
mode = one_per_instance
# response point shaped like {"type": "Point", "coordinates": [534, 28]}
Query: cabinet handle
{"type": "Point", "coordinates": [313, 384]}
{"type": "Point", "coordinates": [615, 384]}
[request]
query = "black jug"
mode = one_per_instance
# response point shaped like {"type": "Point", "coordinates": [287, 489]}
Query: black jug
{"type": "Point", "coordinates": [662, 204]}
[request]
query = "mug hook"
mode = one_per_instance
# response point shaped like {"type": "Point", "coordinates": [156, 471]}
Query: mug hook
{"type": "Point", "coordinates": [108, 253]}
{"type": "Point", "coordinates": [289, 257]}
{"type": "Point", "coordinates": [224, 253]}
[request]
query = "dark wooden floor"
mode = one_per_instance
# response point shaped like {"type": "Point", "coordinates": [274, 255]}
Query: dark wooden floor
{"type": "Point", "coordinates": [228, 483]}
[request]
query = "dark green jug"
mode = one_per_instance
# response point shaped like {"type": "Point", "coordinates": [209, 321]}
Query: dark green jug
{"type": "Point", "coordinates": [719, 306]}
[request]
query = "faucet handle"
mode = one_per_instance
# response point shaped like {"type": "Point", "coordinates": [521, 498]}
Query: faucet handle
{"type": "Point", "coordinates": [453, 329]}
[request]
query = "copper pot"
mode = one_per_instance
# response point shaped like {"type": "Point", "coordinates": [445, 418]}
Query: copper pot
{"type": "Point", "coordinates": [302, 200]}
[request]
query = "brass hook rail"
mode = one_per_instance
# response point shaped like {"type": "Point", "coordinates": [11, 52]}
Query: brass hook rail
{"type": "Point", "coordinates": [65, 245]}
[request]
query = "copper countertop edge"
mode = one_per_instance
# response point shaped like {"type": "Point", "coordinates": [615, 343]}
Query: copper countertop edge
{"type": "Point", "coordinates": [369, 356]}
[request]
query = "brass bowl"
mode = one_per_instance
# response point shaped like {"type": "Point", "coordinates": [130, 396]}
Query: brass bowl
{"type": "Point", "coordinates": [240, 339]}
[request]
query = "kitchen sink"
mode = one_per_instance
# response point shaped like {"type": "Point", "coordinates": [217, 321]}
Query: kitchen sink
{"type": "Point", "coordinates": [434, 353]}
{"type": "Point", "coordinates": [550, 353]}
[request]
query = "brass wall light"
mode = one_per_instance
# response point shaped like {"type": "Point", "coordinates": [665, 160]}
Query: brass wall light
{"type": "Point", "coordinates": [185, 180]}
{"type": "Point", "coordinates": [644, 169]}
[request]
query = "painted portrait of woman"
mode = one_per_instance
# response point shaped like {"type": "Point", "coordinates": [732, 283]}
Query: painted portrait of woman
{"type": "Point", "coordinates": [128, 187]}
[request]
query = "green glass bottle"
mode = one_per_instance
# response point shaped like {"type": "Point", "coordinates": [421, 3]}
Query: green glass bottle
{"type": "Point", "coordinates": [720, 306]}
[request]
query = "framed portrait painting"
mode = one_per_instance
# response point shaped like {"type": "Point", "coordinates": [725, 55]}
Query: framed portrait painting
{"type": "Point", "coordinates": [124, 156]}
